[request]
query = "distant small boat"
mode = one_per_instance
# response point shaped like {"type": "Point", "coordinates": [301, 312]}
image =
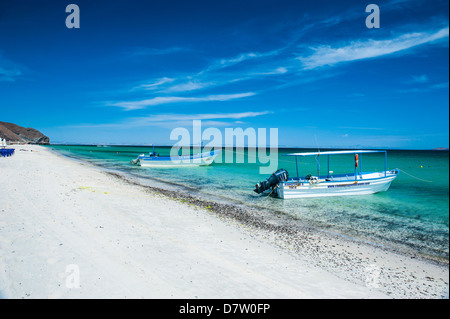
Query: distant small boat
{"type": "Point", "coordinates": [154, 160]}
{"type": "Point", "coordinates": [357, 183]}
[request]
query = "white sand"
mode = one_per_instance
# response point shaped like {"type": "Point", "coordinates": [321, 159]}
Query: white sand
{"type": "Point", "coordinates": [60, 218]}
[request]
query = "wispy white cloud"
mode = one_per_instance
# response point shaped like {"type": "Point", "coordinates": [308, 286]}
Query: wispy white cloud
{"type": "Point", "coordinates": [211, 75]}
{"type": "Point", "coordinates": [440, 86]}
{"type": "Point", "coordinates": [419, 79]}
{"type": "Point", "coordinates": [142, 104]}
{"type": "Point", "coordinates": [191, 117]}
{"type": "Point", "coordinates": [366, 49]}
{"type": "Point", "coordinates": [244, 57]}
{"type": "Point", "coordinates": [153, 85]}
{"type": "Point", "coordinates": [208, 119]}
{"type": "Point", "coordinates": [425, 88]}
{"type": "Point", "coordinates": [9, 71]}
{"type": "Point", "coordinates": [9, 74]}
{"type": "Point", "coordinates": [188, 86]}
{"type": "Point", "coordinates": [239, 58]}
{"type": "Point", "coordinates": [214, 116]}
{"type": "Point", "coordinates": [280, 70]}
{"type": "Point", "coordinates": [223, 63]}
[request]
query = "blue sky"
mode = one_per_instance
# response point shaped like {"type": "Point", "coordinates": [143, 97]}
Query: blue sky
{"type": "Point", "coordinates": [135, 70]}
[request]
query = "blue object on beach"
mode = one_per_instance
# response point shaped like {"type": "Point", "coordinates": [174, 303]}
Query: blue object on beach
{"type": "Point", "coordinates": [6, 152]}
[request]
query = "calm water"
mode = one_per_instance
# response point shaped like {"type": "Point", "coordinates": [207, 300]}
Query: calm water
{"type": "Point", "coordinates": [412, 214]}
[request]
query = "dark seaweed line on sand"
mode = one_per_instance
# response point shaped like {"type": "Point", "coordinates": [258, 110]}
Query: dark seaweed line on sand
{"type": "Point", "coordinates": [303, 240]}
{"type": "Point", "coordinates": [225, 210]}
{"type": "Point", "coordinates": [290, 231]}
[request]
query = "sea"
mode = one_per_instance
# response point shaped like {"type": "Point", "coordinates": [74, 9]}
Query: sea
{"type": "Point", "coordinates": [413, 215]}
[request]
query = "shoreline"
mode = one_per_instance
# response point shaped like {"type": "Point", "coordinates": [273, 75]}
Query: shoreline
{"type": "Point", "coordinates": [344, 262]}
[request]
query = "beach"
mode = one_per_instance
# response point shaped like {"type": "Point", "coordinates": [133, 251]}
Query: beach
{"type": "Point", "coordinates": [71, 230]}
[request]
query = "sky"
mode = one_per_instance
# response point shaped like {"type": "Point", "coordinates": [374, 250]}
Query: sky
{"type": "Point", "coordinates": [136, 70]}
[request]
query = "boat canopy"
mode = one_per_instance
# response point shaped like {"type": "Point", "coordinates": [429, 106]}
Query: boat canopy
{"type": "Point", "coordinates": [328, 153]}
{"type": "Point", "coordinates": [335, 153]}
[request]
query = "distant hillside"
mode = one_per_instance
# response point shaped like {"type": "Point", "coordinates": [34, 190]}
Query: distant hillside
{"type": "Point", "coordinates": [18, 134]}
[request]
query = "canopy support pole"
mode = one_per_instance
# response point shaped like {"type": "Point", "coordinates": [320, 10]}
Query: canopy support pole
{"type": "Point", "coordinates": [318, 166]}
{"type": "Point", "coordinates": [385, 163]}
{"type": "Point", "coordinates": [360, 165]}
{"type": "Point", "coordinates": [328, 171]}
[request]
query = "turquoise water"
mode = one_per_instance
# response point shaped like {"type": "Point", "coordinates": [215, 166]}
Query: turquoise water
{"type": "Point", "coordinates": [413, 214]}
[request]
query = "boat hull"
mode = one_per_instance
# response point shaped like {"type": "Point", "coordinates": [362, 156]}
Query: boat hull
{"type": "Point", "coordinates": [203, 159]}
{"type": "Point", "coordinates": [365, 184]}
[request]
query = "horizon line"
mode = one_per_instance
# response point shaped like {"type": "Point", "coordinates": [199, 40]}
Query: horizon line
{"type": "Point", "coordinates": [267, 146]}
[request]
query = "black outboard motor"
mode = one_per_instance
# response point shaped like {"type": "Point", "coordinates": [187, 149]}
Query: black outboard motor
{"type": "Point", "coordinates": [279, 176]}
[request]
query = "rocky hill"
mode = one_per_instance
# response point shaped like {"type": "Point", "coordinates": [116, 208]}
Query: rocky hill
{"type": "Point", "coordinates": [17, 134]}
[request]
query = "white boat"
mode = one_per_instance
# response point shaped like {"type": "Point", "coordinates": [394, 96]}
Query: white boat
{"type": "Point", "coordinates": [154, 160]}
{"type": "Point", "coordinates": [357, 183]}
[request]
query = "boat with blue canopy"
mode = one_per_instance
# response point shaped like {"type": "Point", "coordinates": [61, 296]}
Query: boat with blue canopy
{"type": "Point", "coordinates": [155, 160]}
{"type": "Point", "coordinates": [329, 184]}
